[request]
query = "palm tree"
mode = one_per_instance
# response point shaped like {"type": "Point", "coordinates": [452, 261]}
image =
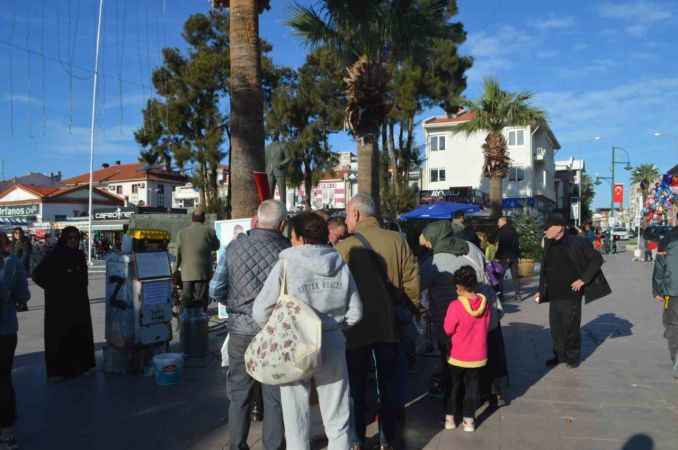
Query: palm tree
{"type": "Point", "coordinates": [494, 111]}
{"type": "Point", "coordinates": [247, 110]}
{"type": "Point", "coordinates": [365, 35]}
{"type": "Point", "coordinates": [645, 175]}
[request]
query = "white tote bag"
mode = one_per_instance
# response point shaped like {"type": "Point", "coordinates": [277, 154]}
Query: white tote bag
{"type": "Point", "coordinates": [287, 349]}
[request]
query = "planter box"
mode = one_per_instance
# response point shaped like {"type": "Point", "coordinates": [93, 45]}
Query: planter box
{"type": "Point", "coordinates": [525, 268]}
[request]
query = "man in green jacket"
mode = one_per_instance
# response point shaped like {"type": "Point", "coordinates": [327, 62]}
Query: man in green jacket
{"type": "Point", "coordinates": [195, 245]}
{"type": "Point", "coordinates": [387, 275]}
{"type": "Point", "coordinates": [665, 290]}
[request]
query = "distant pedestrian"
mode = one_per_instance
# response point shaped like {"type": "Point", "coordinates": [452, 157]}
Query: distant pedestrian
{"type": "Point", "coordinates": [337, 229]}
{"type": "Point", "coordinates": [571, 270]}
{"type": "Point", "coordinates": [314, 273]}
{"type": "Point", "coordinates": [464, 231]}
{"type": "Point", "coordinates": [13, 290]}
{"type": "Point", "coordinates": [508, 253]}
{"type": "Point", "coordinates": [241, 272]}
{"type": "Point", "coordinates": [387, 275]}
{"type": "Point", "coordinates": [466, 322]}
{"type": "Point", "coordinates": [665, 290]}
{"type": "Point", "coordinates": [22, 248]}
{"type": "Point", "coordinates": [195, 245]}
{"type": "Point", "coordinates": [589, 234]}
{"type": "Point", "coordinates": [69, 341]}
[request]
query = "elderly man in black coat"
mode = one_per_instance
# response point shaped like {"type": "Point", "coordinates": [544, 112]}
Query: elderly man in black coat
{"type": "Point", "coordinates": [571, 270]}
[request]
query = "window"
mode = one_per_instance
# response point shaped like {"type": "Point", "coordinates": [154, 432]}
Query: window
{"type": "Point", "coordinates": [437, 175]}
{"type": "Point", "coordinates": [118, 189]}
{"type": "Point", "coordinates": [516, 174]}
{"type": "Point", "coordinates": [135, 189]}
{"type": "Point", "coordinates": [437, 143]}
{"type": "Point", "coordinates": [516, 137]}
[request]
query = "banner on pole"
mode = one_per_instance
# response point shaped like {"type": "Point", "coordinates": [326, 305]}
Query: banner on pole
{"type": "Point", "coordinates": [618, 193]}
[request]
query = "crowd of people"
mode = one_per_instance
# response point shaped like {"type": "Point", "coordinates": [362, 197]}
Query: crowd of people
{"type": "Point", "coordinates": [368, 288]}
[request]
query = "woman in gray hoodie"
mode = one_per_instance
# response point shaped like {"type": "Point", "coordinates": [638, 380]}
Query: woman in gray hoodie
{"type": "Point", "coordinates": [318, 276]}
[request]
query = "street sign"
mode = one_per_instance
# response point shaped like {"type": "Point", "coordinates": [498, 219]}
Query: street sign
{"type": "Point", "coordinates": [19, 211]}
{"type": "Point", "coordinates": [618, 193]}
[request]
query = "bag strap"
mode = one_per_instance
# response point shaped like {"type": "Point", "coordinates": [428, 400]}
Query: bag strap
{"type": "Point", "coordinates": [364, 241]}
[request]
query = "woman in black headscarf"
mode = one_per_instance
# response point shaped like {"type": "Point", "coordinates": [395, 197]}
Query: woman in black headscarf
{"type": "Point", "coordinates": [69, 341]}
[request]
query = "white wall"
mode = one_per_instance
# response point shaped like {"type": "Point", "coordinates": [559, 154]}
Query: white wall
{"type": "Point", "coordinates": [544, 176]}
{"type": "Point", "coordinates": [49, 211]}
{"type": "Point", "coordinates": [462, 160]}
{"type": "Point", "coordinates": [19, 195]}
{"type": "Point", "coordinates": [132, 198]}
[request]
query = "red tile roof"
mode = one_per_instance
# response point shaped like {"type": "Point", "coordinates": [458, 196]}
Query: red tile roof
{"type": "Point", "coordinates": [45, 192]}
{"type": "Point", "coordinates": [463, 117]}
{"type": "Point", "coordinates": [126, 172]}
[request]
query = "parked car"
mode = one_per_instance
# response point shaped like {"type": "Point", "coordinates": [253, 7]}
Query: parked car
{"type": "Point", "coordinates": [620, 233]}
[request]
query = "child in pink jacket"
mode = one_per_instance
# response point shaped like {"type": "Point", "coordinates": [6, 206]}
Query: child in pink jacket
{"type": "Point", "coordinates": [466, 322]}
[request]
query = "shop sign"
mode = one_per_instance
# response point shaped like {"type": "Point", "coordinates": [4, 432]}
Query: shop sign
{"type": "Point", "coordinates": [19, 211]}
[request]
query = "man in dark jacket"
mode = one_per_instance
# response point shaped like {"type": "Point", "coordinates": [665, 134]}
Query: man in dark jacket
{"type": "Point", "coordinates": [240, 275]}
{"type": "Point", "coordinates": [508, 252]}
{"type": "Point", "coordinates": [665, 290]}
{"type": "Point", "coordinates": [22, 248]}
{"type": "Point", "coordinates": [463, 231]}
{"type": "Point", "coordinates": [195, 245]}
{"type": "Point", "coordinates": [571, 270]}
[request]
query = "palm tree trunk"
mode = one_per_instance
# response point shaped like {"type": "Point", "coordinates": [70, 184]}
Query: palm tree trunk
{"type": "Point", "coordinates": [247, 117]}
{"type": "Point", "coordinates": [368, 168]}
{"type": "Point", "coordinates": [496, 196]}
{"type": "Point", "coordinates": [308, 186]}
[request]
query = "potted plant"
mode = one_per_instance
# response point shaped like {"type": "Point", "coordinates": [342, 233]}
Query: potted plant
{"type": "Point", "coordinates": [530, 235]}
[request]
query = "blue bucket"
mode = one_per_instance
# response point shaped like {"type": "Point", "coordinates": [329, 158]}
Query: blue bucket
{"type": "Point", "coordinates": [168, 368]}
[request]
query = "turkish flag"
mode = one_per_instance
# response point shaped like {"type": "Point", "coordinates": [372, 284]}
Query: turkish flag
{"type": "Point", "coordinates": [618, 194]}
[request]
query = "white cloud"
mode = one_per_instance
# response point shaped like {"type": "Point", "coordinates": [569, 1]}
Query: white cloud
{"type": "Point", "coordinates": [20, 98]}
{"type": "Point", "coordinates": [579, 116]}
{"type": "Point", "coordinates": [497, 51]}
{"type": "Point", "coordinates": [641, 15]}
{"type": "Point", "coordinates": [587, 68]}
{"type": "Point", "coordinates": [555, 23]}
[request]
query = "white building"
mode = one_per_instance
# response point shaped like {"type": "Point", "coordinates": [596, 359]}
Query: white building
{"type": "Point", "coordinates": [137, 184]}
{"type": "Point", "coordinates": [455, 160]}
{"type": "Point", "coordinates": [39, 204]}
{"type": "Point", "coordinates": [188, 196]}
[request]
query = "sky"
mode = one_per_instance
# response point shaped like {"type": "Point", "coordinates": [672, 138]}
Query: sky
{"type": "Point", "coordinates": [605, 72]}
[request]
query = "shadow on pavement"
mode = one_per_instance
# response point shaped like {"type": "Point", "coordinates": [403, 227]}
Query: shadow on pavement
{"type": "Point", "coordinates": [639, 442]}
{"type": "Point", "coordinates": [600, 329]}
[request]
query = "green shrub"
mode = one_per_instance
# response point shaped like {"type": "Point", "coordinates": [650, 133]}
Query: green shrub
{"type": "Point", "coordinates": [530, 234]}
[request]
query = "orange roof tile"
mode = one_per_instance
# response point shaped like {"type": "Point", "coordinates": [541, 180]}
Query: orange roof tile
{"type": "Point", "coordinates": [125, 172]}
{"type": "Point", "coordinates": [463, 117]}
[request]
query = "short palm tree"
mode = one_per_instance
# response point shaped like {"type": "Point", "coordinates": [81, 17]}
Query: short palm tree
{"type": "Point", "coordinates": [645, 175]}
{"type": "Point", "coordinates": [494, 111]}
{"type": "Point", "coordinates": [365, 35]}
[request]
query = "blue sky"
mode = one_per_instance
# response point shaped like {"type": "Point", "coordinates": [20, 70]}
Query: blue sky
{"type": "Point", "coordinates": [600, 69]}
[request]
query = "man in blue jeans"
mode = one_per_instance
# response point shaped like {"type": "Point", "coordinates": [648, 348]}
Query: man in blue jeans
{"type": "Point", "coordinates": [240, 275]}
{"type": "Point", "coordinates": [387, 275]}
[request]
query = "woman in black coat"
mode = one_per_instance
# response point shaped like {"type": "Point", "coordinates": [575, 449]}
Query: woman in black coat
{"type": "Point", "coordinates": [69, 341]}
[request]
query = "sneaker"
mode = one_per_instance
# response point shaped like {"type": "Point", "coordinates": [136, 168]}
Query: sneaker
{"type": "Point", "coordinates": [469, 425]}
{"type": "Point", "coordinates": [573, 365]}
{"type": "Point", "coordinates": [449, 423]}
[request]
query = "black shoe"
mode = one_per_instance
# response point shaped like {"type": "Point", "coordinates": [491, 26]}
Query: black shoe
{"type": "Point", "coordinates": [552, 362]}
{"type": "Point", "coordinates": [573, 365]}
{"type": "Point", "coordinates": [21, 307]}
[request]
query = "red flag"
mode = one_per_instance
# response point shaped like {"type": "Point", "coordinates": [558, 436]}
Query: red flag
{"type": "Point", "coordinates": [618, 193]}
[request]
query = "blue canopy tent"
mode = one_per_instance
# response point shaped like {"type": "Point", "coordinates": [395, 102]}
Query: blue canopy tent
{"type": "Point", "coordinates": [439, 210]}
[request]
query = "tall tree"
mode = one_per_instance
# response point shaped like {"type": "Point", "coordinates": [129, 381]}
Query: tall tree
{"type": "Point", "coordinates": [645, 175]}
{"type": "Point", "coordinates": [247, 111]}
{"type": "Point", "coordinates": [366, 35]}
{"type": "Point", "coordinates": [494, 111]}
{"type": "Point", "coordinates": [588, 192]}
{"type": "Point", "coordinates": [305, 110]}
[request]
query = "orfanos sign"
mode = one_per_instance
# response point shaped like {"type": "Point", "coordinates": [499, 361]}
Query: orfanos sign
{"type": "Point", "coordinates": [19, 211]}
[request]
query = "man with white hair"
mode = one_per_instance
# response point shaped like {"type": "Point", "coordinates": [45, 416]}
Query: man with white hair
{"type": "Point", "coordinates": [387, 275]}
{"type": "Point", "coordinates": [240, 275]}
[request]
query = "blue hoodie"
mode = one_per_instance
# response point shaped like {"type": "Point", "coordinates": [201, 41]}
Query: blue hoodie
{"type": "Point", "coordinates": [318, 276]}
{"type": "Point", "coordinates": [13, 290]}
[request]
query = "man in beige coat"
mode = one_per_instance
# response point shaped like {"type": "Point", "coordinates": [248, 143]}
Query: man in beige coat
{"type": "Point", "coordinates": [387, 275]}
{"type": "Point", "coordinates": [195, 245]}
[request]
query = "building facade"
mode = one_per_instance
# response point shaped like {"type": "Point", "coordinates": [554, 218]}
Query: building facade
{"type": "Point", "coordinates": [188, 196]}
{"type": "Point", "coordinates": [568, 188]}
{"type": "Point", "coordinates": [137, 184]}
{"type": "Point", "coordinates": [455, 160]}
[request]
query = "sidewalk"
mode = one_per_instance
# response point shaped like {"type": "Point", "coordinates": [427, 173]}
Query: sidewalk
{"type": "Point", "coordinates": [622, 391]}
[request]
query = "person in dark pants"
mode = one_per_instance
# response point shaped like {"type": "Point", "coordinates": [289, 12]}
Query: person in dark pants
{"type": "Point", "coordinates": [467, 322]}
{"type": "Point", "coordinates": [570, 271]}
{"type": "Point", "coordinates": [240, 276]}
{"type": "Point", "coordinates": [665, 290]}
{"type": "Point", "coordinates": [69, 339]}
{"type": "Point", "coordinates": [13, 290]}
{"type": "Point", "coordinates": [195, 245]}
{"type": "Point", "coordinates": [508, 252]}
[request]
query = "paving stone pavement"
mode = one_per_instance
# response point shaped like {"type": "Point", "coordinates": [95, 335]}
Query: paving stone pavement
{"type": "Point", "coordinates": [622, 397]}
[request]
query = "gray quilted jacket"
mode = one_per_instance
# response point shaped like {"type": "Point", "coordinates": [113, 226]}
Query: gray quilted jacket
{"type": "Point", "coordinates": [241, 273]}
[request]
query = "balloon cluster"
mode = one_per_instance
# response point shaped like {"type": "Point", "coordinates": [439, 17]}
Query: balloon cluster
{"type": "Point", "coordinates": [662, 196]}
